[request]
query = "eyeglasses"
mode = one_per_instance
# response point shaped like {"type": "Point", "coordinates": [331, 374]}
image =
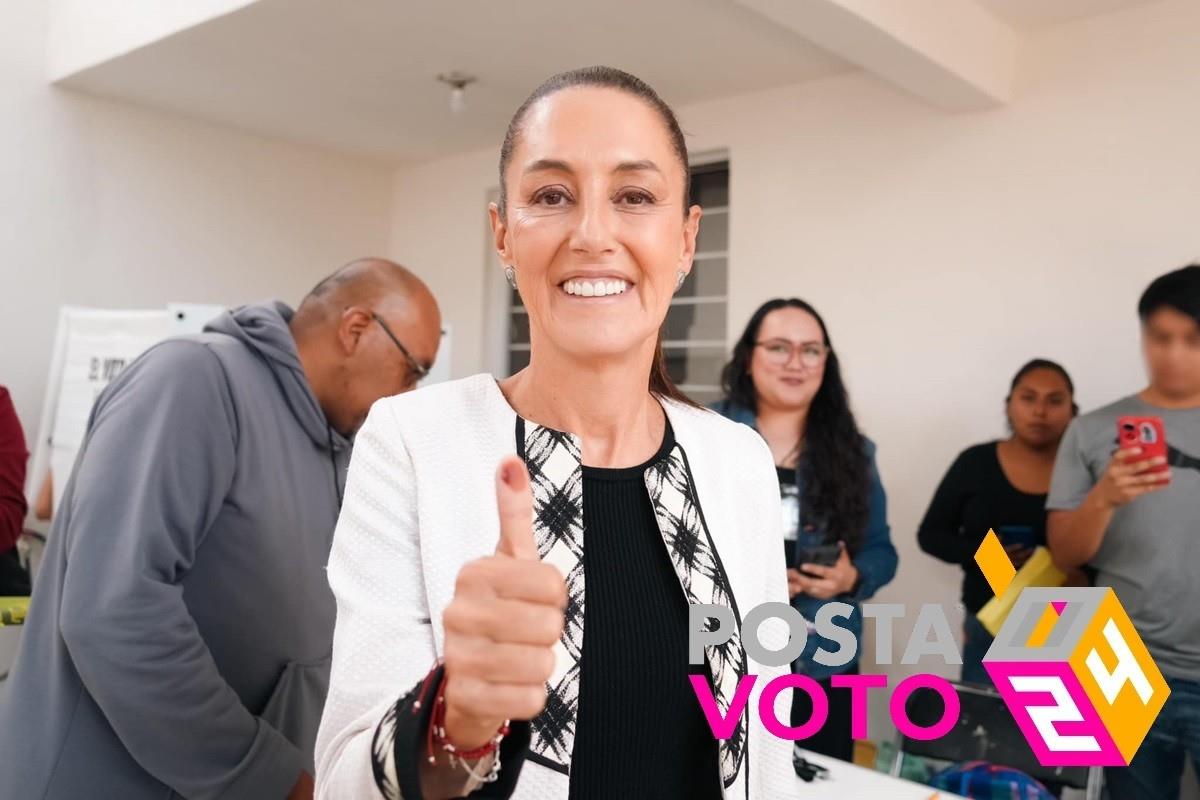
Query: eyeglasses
{"type": "Point", "coordinates": [416, 369]}
{"type": "Point", "coordinates": [779, 352]}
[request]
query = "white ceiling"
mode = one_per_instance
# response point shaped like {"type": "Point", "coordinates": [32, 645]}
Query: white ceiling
{"type": "Point", "coordinates": [360, 75]}
{"type": "Point", "coordinates": [1025, 15]}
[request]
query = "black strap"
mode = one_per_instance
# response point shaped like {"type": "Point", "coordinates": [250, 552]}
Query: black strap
{"type": "Point", "coordinates": [1178, 458]}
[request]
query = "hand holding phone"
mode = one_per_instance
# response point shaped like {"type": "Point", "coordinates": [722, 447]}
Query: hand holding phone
{"type": "Point", "coordinates": [1147, 434]}
{"type": "Point", "coordinates": [825, 555]}
{"type": "Point", "coordinates": [1019, 542]}
{"type": "Point", "coordinates": [1139, 466]}
{"type": "Point", "coordinates": [1018, 535]}
{"type": "Point", "coordinates": [824, 581]}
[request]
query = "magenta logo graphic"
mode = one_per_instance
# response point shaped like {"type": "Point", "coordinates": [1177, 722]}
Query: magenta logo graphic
{"type": "Point", "coordinates": [1072, 669]}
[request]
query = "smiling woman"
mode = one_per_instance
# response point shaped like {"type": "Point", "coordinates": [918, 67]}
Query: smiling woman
{"type": "Point", "coordinates": [616, 504]}
{"type": "Point", "coordinates": [785, 380]}
{"type": "Point", "coordinates": [635, 212]}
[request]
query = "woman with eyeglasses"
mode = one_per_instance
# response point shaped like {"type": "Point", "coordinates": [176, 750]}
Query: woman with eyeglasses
{"type": "Point", "coordinates": [784, 380]}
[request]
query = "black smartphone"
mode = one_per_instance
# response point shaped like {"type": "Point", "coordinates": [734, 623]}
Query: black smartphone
{"type": "Point", "coordinates": [824, 555]}
{"type": "Point", "coordinates": [1022, 535]}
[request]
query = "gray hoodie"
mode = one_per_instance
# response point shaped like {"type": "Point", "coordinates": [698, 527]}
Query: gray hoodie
{"type": "Point", "coordinates": [179, 636]}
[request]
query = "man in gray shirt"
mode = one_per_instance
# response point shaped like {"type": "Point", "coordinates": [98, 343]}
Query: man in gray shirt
{"type": "Point", "coordinates": [181, 626]}
{"type": "Point", "coordinates": [1140, 527]}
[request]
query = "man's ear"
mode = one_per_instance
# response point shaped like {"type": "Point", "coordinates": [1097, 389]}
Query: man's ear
{"type": "Point", "coordinates": [353, 324]}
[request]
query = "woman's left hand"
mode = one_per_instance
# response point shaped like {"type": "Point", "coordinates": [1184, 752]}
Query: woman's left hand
{"type": "Point", "coordinates": [825, 583]}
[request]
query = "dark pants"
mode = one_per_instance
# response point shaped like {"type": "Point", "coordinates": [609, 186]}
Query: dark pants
{"type": "Point", "coordinates": [834, 738]}
{"type": "Point", "coordinates": [14, 580]}
{"type": "Point", "coordinates": [1157, 768]}
{"type": "Point", "coordinates": [976, 642]}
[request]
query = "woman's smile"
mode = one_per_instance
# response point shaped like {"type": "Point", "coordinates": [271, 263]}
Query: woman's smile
{"type": "Point", "coordinates": [595, 288]}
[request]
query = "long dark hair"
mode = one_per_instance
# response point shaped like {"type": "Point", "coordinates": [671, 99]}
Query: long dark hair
{"type": "Point", "coordinates": [609, 78]}
{"type": "Point", "coordinates": [834, 466]}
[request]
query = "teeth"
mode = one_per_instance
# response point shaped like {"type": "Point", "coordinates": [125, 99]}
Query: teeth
{"type": "Point", "coordinates": [595, 288]}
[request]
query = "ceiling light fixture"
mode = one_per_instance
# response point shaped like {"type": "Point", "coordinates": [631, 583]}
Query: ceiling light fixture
{"type": "Point", "coordinates": [458, 82]}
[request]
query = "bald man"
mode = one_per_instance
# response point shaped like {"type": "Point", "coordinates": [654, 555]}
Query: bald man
{"type": "Point", "coordinates": [179, 636]}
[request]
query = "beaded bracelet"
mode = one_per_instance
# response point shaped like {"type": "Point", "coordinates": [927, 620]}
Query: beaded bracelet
{"type": "Point", "coordinates": [455, 756]}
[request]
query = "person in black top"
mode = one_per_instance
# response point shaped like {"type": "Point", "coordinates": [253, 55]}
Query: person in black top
{"type": "Point", "coordinates": [1000, 485]}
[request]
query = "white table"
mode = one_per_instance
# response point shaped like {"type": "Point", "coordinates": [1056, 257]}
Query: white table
{"type": "Point", "coordinates": [846, 781]}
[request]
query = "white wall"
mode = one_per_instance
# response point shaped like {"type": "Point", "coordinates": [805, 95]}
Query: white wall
{"type": "Point", "coordinates": [440, 224]}
{"type": "Point", "coordinates": [944, 249]}
{"type": "Point", "coordinates": [108, 205]}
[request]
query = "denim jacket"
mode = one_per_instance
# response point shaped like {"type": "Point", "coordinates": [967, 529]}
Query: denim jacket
{"type": "Point", "coordinates": [875, 560]}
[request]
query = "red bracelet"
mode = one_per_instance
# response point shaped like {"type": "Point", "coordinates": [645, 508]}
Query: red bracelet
{"type": "Point", "coordinates": [437, 733]}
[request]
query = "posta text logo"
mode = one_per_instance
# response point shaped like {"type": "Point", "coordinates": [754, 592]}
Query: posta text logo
{"type": "Point", "coordinates": [1072, 670]}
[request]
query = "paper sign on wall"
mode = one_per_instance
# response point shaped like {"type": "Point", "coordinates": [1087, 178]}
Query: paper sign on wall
{"type": "Point", "coordinates": [92, 347]}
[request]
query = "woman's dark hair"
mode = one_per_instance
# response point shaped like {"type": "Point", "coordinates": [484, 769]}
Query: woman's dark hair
{"type": "Point", "coordinates": [1044, 363]}
{"type": "Point", "coordinates": [834, 466]}
{"type": "Point", "coordinates": [608, 78]}
{"type": "Point", "coordinates": [1179, 290]}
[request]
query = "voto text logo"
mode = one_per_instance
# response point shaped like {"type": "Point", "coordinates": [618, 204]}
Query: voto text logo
{"type": "Point", "coordinates": [1072, 670]}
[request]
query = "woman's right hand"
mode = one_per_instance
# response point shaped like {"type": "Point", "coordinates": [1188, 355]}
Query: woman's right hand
{"type": "Point", "coordinates": [503, 623]}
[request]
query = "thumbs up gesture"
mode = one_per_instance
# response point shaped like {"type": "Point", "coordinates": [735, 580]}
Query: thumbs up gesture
{"type": "Point", "coordinates": [501, 627]}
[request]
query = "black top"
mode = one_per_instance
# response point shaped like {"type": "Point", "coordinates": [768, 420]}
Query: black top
{"type": "Point", "coordinates": [640, 731]}
{"type": "Point", "coordinates": [789, 496]}
{"type": "Point", "coordinates": [974, 496]}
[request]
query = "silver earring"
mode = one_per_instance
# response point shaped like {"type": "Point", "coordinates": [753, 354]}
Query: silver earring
{"type": "Point", "coordinates": [679, 278]}
{"type": "Point", "coordinates": [510, 275]}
